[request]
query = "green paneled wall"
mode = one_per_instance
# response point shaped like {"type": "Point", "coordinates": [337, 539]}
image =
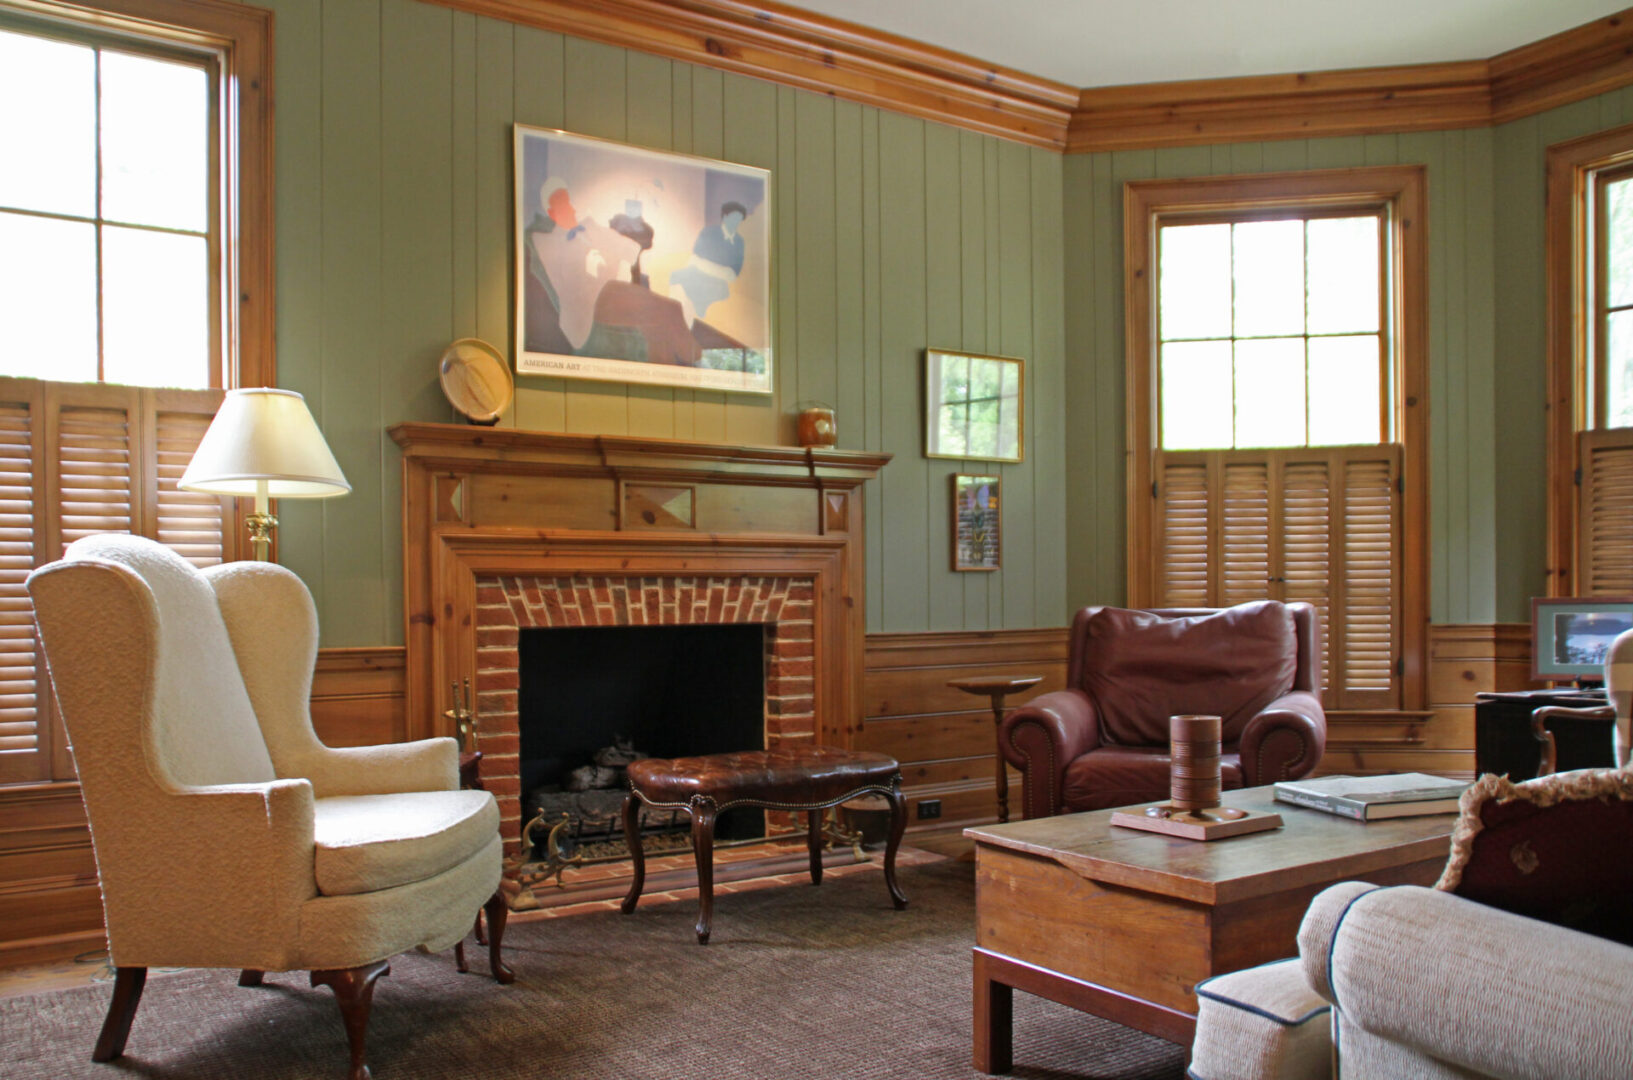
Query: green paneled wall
{"type": "Point", "coordinates": [1520, 152]}
{"type": "Point", "coordinates": [1486, 325]}
{"type": "Point", "coordinates": [393, 205]}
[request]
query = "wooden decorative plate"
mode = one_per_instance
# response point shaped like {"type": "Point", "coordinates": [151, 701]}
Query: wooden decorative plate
{"type": "Point", "coordinates": [475, 379]}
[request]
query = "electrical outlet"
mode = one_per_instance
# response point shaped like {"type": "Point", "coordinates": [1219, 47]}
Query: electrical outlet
{"type": "Point", "coordinates": [929, 808]}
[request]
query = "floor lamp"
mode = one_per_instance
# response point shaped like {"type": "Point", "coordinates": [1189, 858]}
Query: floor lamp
{"type": "Point", "coordinates": [264, 443]}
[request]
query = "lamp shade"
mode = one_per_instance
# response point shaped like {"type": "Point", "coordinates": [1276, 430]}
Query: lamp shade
{"type": "Point", "coordinates": [261, 436]}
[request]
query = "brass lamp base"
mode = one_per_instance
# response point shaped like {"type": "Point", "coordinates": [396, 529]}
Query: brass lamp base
{"type": "Point", "coordinates": [261, 525]}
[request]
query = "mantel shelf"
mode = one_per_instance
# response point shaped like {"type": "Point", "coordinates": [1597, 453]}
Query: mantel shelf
{"type": "Point", "coordinates": [465, 446]}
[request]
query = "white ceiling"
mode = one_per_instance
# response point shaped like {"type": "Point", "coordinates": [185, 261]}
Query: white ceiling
{"type": "Point", "coordinates": [1111, 42]}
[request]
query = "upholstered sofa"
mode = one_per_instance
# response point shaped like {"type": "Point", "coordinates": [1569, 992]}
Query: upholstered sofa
{"type": "Point", "coordinates": [1103, 741]}
{"type": "Point", "coordinates": [1493, 973]}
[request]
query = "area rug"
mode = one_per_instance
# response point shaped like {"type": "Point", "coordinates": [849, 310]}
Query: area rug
{"type": "Point", "coordinates": [798, 982]}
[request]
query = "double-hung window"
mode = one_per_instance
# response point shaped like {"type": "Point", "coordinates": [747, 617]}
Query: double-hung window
{"type": "Point", "coordinates": [132, 291]}
{"type": "Point", "coordinates": [1269, 408]}
{"type": "Point", "coordinates": [1590, 364]}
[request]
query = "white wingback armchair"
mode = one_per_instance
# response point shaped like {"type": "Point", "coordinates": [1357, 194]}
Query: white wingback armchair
{"type": "Point", "coordinates": [226, 834]}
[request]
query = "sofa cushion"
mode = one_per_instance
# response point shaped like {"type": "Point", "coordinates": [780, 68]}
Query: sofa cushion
{"type": "Point", "coordinates": [370, 842]}
{"type": "Point", "coordinates": [1124, 775]}
{"type": "Point", "coordinates": [1141, 668]}
{"type": "Point", "coordinates": [1551, 849]}
{"type": "Point", "coordinates": [1265, 1023]}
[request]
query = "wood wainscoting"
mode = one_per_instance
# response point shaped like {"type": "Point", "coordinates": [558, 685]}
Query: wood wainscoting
{"type": "Point", "coordinates": [943, 737]}
{"type": "Point", "coordinates": [1463, 660]}
{"type": "Point", "coordinates": [50, 907]}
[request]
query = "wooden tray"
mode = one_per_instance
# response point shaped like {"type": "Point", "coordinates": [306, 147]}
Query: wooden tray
{"type": "Point", "coordinates": [1215, 824]}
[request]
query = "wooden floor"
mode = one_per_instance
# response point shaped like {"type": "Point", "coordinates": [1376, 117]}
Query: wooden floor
{"type": "Point", "coordinates": [92, 967]}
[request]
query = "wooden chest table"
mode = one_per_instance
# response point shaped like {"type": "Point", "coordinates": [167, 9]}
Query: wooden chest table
{"type": "Point", "coordinates": [1124, 924]}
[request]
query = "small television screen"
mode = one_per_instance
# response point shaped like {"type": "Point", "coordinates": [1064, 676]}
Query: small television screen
{"type": "Point", "coordinates": [1571, 636]}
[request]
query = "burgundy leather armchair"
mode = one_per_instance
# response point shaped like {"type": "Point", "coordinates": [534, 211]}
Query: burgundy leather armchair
{"type": "Point", "coordinates": [1103, 741]}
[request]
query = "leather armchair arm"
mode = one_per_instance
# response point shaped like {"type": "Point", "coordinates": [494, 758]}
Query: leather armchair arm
{"type": "Point", "coordinates": [1285, 741]}
{"type": "Point", "coordinates": [1041, 738]}
{"type": "Point", "coordinates": [1547, 754]}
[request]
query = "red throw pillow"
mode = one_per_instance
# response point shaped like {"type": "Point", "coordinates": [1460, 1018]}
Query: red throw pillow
{"type": "Point", "coordinates": [1141, 668]}
{"type": "Point", "coordinates": [1553, 849]}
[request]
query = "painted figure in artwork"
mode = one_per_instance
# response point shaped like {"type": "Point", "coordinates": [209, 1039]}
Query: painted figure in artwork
{"type": "Point", "coordinates": [579, 256]}
{"type": "Point", "coordinates": [717, 259]}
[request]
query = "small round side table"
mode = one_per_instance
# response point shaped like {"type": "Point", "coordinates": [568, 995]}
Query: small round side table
{"type": "Point", "coordinates": [998, 687]}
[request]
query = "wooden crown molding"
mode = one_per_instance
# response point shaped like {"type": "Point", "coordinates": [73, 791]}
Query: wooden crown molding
{"type": "Point", "coordinates": [801, 49]}
{"type": "Point", "coordinates": [829, 56]}
{"type": "Point", "coordinates": [1569, 66]}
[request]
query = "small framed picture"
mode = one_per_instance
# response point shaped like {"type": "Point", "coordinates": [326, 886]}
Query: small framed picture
{"type": "Point", "coordinates": [974, 406]}
{"type": "Point", "coordinates": [977, 522]}
{"type": "Point", "coordinates": [1571, 635]}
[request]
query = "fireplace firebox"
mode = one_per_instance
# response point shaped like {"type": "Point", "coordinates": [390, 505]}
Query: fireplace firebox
{"type": "Point", "coordinates": [591, 696]}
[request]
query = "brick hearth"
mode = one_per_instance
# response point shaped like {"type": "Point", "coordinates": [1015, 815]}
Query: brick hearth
{"type": "Point", "coordinates": [508, 603]}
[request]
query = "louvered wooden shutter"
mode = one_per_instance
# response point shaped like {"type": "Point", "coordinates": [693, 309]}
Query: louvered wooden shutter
{"type": "Point", "coordinates": [1183, 534]}
{"type": "Point", "coordinates": [197, 527]}
{"type": "Point", "coordinates": [1244, 532]}
{"type": "Point", "coordinates": [78, 459]}
{"type": "Point", "coordinates": [1605, 529]}
{"type": "Point", "coordinates": [24, 739]}
{"type": "Point", "coordinates": [1319, 524]}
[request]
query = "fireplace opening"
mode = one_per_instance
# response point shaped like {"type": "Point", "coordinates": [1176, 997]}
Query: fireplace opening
{"type": "Point", "coordinates": [591, 697]}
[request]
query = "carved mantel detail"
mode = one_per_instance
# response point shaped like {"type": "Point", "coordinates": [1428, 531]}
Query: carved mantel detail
{"type": "Point", "coordinates": [482, 506]}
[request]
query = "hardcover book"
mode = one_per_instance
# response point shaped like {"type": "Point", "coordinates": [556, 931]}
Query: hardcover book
{"type": "Point", "coordinates": [1369, 798]}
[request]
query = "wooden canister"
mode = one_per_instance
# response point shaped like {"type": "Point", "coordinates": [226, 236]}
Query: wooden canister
{"type": "Point", "coordinates": [1193, 782]}
{"type": "Point", "coordinates": [816, 425]}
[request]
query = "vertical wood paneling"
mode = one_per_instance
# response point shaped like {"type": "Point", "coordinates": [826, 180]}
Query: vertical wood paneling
{"type": "Point", "coordinates": [1015, 264]}
{"type": "Point", "coordinates": [905, 483]}
{"type": "Point", "coordinates": [755, 128]}
{"type": "Point", "coordinates": [300, 263]}
{"type": "Point", "coordinates": [873, 365]}
{"type": "Point", "coordinates": [943, 251]}
{"type": "Point", "coordinates": [538, 97]}
{"type": "Point", "coordinates": [416, 264]}
{"type": "Point", "coordinates": [648, 121]}
{"type": "Point", "coordinates": [972, 311]}
{"type": "Point", "coordinates": [356, 401]}
{"type": "Point", "coordinates": [1047, 421]}
{"type": "Point", "coordinates": [395, 236]}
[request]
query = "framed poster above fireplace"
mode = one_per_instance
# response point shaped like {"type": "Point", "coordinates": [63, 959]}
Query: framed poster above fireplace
{"type": "Point", "coordinates": [635, 265]}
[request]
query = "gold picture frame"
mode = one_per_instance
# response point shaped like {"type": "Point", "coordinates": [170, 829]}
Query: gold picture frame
{"type": "Point", "coordinates": [978, 522]}
{"type": "Point", "coordinates": [974, 406]}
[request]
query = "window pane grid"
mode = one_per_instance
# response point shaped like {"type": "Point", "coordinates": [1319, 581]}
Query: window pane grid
{"type": "Point", "coordinates": [171, 275]}
{"type": "Point", "coordinates": [1324, 302]}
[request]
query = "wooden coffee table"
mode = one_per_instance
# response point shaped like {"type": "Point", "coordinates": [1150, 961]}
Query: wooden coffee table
{"type": "Point", "coordinates": [1124, 924]}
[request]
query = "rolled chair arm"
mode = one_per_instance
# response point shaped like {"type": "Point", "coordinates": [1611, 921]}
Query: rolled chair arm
{"type": "Point", "coordinates": [1041, 738]}
{"type": "Point", "coordinates": [1481, 989]}
{"type": "Point", "coordinates": [386, 769]}
{"type": "Point", "coordinates": [1285, 740]}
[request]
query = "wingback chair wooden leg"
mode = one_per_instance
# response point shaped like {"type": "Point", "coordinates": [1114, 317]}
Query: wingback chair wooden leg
{"type": "Point", "coordinates": [354, 991]}
{"type": "Point", "coordinates": [498, 911]}
{"type": "Point", "coordinates": [127, 994]}
{"type": "Point", "coordinates": [250, 977]}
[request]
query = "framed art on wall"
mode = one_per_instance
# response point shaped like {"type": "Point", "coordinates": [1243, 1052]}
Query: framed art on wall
{"type": "Point", "coordinates": [974, 406]}
{"type": "Point", "coordinates": [977, 523]}
{"type": "Point", "coordinates": [637, 265]}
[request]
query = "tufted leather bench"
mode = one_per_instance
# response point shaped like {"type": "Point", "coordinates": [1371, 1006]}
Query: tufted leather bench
{"type": "Point", "coordinates": [808, 778]}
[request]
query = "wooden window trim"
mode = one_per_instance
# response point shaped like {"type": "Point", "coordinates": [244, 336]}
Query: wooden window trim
{"type": "Point", "coordinates": [1404, 189]}
{"type": "Point", "coordinates": [241, 39]}
{"type": "Point", "coordinates": [1571, 167]}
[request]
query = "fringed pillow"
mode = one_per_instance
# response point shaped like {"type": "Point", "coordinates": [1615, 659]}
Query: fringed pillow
{"type": "Point", "coordinates": [1555, 848]}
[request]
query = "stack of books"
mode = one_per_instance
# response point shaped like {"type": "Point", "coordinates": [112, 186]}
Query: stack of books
{"type": "Point", "coordinates": [1370, 798]}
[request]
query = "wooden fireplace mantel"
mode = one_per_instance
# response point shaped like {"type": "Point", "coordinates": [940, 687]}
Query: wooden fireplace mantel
{"type": "Point", "coordinates": [501, 501]}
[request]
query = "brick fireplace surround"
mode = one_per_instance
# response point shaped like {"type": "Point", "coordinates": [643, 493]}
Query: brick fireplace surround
{"type": "Point", "coordinates": [507, 604]}
{"type": "Point", "coordinates": [505, 530]}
